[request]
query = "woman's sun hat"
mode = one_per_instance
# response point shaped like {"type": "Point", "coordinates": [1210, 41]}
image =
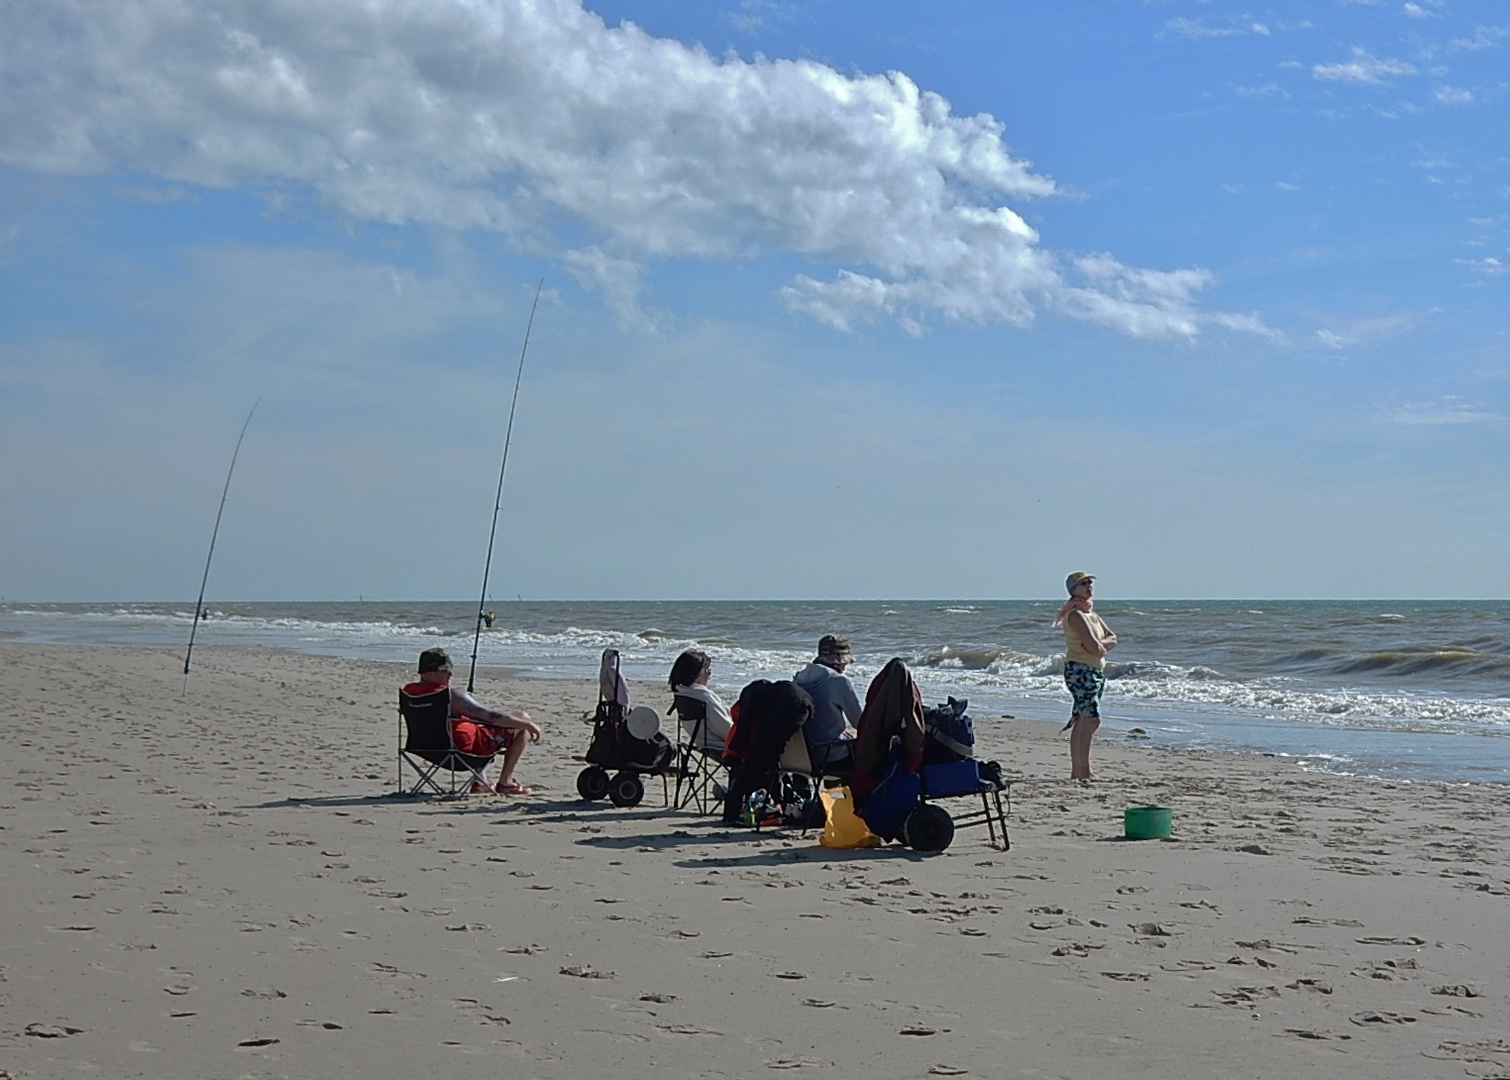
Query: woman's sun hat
{"type": "Point", "coordinates": [1076, 578]}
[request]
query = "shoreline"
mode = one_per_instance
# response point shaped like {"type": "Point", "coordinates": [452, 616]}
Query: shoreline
{"type": "Point", "coordinates": [1175, 688]}
{"type": "Point", "coordinates": [220, 883]}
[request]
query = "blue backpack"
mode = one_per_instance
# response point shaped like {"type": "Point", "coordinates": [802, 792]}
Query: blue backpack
{"type": "Point", "coordinates": [949, 734]}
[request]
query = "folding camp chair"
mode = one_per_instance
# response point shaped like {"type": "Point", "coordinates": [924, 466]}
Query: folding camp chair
{"type": "Point", "coordinates": [429, 749]}
{"type": "Point", "coordinates": [803, 772]}
{"type": "Point", "coordinates": [698, 764]}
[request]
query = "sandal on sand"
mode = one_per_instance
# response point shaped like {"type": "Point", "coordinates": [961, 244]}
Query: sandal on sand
{"type": "Point", "coordinates": [513, 788]}
{"type": "Point", "coordinates": [479, 788]}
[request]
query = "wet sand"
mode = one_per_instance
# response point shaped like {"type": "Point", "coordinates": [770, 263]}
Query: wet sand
{"type": "Point", "coordinates": [221, 883]}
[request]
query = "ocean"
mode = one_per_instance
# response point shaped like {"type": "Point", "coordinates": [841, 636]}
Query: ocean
{"type": "Point", "coordinates": [1401, 690]}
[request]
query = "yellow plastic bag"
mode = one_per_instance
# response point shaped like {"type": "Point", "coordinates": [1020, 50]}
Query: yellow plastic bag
{"type": "Point", "coordinates": [844, 829]}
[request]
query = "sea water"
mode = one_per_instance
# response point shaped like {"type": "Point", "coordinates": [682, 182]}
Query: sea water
{"type": "Point", "coordinates": [1404, 690]}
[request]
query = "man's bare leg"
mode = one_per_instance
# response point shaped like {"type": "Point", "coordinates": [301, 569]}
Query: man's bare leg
{"type": "Point", "coordinates": [511, 756]}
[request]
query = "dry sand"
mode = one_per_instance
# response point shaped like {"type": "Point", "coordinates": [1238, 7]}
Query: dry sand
{"type": "Point", "coordinates": [219, 884]}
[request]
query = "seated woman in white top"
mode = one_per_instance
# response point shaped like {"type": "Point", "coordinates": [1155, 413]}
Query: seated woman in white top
{"type": "Point", "coordinates": [689, 678]}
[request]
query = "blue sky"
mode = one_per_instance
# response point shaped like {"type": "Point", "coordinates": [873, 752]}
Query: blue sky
{"type": "Point", "coordinates": [842, 299]}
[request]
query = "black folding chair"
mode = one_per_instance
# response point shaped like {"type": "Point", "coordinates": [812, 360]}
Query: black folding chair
{"type": "Point", "coordinates": [429, 749]}
{"type": "Point", "coordinates": [698, 766]}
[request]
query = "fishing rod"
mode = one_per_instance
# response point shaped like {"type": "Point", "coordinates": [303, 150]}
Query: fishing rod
{"type": "Point", "coordinates": [199, 604]}
{"type": "Point", "coordinates": [508, 435]}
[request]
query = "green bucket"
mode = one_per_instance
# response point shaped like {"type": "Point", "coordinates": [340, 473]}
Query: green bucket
{"type": "Point", "coordinates": [1146, 822]}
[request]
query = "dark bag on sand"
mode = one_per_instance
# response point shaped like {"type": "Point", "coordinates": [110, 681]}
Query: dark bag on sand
{"type": "Point", "coordinates": [647, 755]}
{"type": "Point", "coordinates": [949, 734]}
{"type": "Point", "coordinates": [613, 747]}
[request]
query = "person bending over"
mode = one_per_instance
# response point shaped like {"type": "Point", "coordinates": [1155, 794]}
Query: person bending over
{"type": "Point", "coordinates": [475, 728]}
{"type": "Point", "coordinates": [836, 708]}
{"type": "Point", "coordinates": [689, 678]}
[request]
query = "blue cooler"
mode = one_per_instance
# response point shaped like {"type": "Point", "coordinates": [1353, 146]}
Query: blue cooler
{"type": "Point", "coordinates": [951, 778]}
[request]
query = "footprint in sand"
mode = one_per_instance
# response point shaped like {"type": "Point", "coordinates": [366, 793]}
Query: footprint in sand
{"type": "Point", "coordinates": [1457, 990]}
{"type": "Point", "coordinates": [688, 1029]}
{"type": "Point", "coordinates": [1379, 1017]}
{"type": "Point", "coordinates": [51, 1031]}
{"type": "Point", "coordinates": [1310, 984]}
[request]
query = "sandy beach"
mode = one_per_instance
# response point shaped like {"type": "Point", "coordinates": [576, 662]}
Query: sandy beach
{"type": "Point", "coordinates": [221, 883]}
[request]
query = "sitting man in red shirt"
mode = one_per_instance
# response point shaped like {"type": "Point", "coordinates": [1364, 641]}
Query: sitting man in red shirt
{"type": "Point", "coordinates": [476, 729]}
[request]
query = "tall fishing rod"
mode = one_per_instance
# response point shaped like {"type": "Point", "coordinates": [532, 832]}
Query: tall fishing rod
{"type": "Point", "coordinates": [508, 435]}
{"type": "Point", "coordinates": [199, 604]}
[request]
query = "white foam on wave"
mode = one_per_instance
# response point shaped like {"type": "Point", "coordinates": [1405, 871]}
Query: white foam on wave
{"type": "Point", "coordinates": [944, 670]}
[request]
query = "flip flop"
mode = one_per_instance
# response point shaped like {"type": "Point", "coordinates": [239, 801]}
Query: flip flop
{"type": "Point", "coordinates": [513, 788]}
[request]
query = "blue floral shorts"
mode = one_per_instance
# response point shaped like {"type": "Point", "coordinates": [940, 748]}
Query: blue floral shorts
{"type": "Point", "coordinates": [1085, 684]}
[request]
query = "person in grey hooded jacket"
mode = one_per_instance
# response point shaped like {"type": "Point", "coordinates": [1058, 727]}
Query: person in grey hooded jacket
{"type": "Point", "coordinates": [836, 708]}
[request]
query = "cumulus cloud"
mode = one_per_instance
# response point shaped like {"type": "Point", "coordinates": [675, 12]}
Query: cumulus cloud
{"type": "Point", "coordinates": [1364, 67]}
{"type": "Point", "coordinates": [603, 147]}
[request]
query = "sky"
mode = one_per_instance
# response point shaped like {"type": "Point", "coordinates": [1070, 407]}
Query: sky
{"type": "Point", "coordinates": [838, 298]}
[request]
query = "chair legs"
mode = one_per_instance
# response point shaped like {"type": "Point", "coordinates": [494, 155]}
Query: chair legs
{"type": "Point", "coordinates": [460, 776]}
{"type": "Point", "coordinates": [696, 777]}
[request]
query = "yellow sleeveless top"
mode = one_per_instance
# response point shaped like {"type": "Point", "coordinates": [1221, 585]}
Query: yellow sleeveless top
{"type": "Point", "coordinates": [1074, 650]}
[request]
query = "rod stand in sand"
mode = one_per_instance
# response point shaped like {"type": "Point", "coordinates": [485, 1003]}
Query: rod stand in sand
{"type": "Point", "coordinates": [508, 435]}
{"type": "Point", "coordinates": [203, 581]}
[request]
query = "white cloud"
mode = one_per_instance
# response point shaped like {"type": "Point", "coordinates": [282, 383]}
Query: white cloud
{"type": "Point", "coordinates": [606, 148]}
{"type": "Point", "coordinates": [1364, 67]}
{"type": "Point", "coordinates": [756, 15]}
{"type": "Point", "coordinates": [1488, 265]}
{"type": "Point", "coordinates": [1448, 95]}
{"type": "Point", "coordinates": [1449, 411]}
{"type": "Point", "coordinates": [1365, 331]}
{"type": "Point", "coordinates": [1416, 11]}
{"type": "Point", "coordinates": [1484, 37]}
{"type": "Point", "coordinates": [1264, 91]}
{"type": "Point", "coordinates": [1201, 29]}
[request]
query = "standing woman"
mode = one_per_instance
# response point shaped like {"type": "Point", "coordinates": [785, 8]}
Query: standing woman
{"type": "Point", "coordinates": [1087, 640]}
